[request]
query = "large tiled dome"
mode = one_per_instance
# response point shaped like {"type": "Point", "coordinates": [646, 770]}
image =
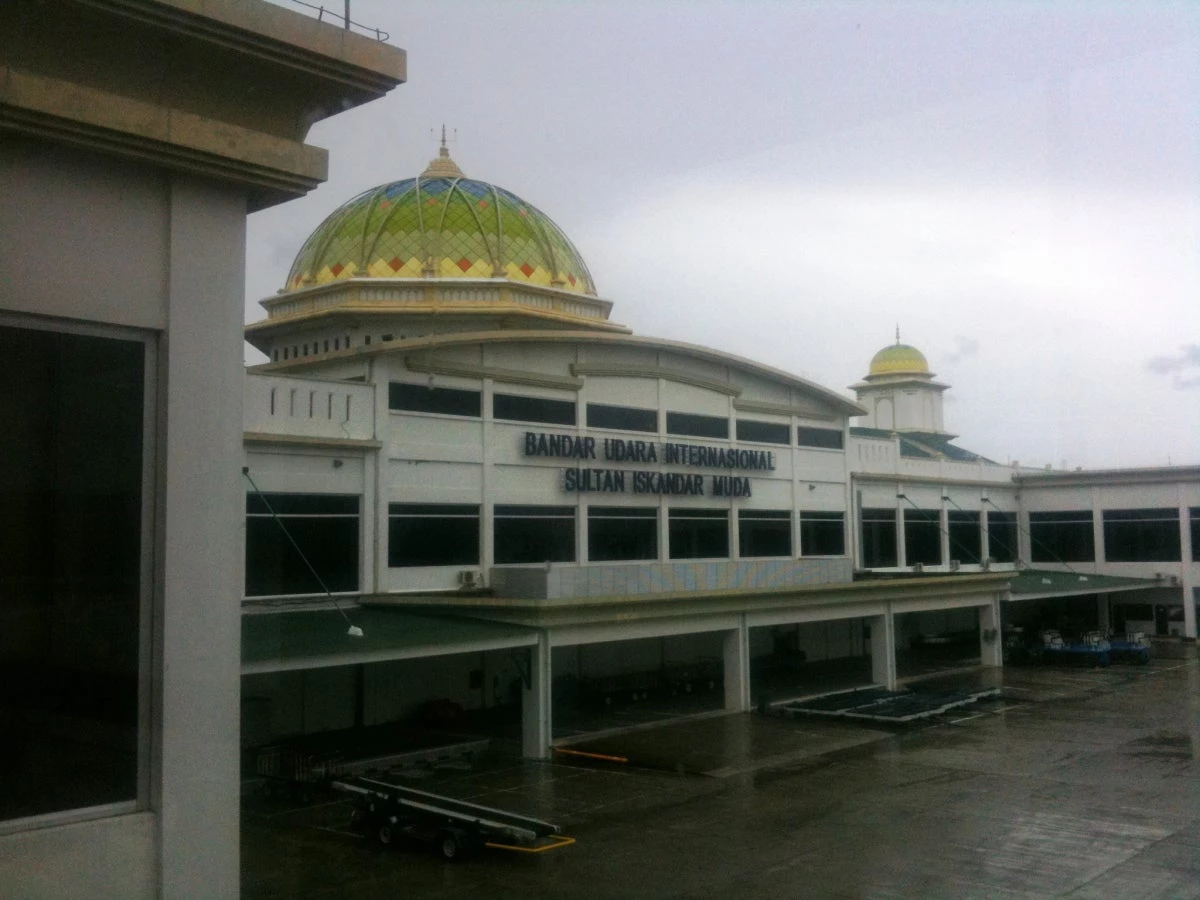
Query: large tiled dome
{"type": "Point", "coordinates": [440, 224]}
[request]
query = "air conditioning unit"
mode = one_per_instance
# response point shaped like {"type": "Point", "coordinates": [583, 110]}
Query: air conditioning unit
{"type": "Point", "coordinates": [918, 568]}
{"type": "Point", "coordinates": [955, 565]}
{"type": "Point", "coordinates": [470, 578]}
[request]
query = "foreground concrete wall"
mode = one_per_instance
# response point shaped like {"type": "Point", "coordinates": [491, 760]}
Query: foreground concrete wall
{"type": "Point", "coordinates": [87, 239]}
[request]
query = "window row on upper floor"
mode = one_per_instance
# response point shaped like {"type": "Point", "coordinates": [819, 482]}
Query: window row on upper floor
{"type": "Point", "coordinates": [310, 543]}
{"type": "Point", "coordinates": [407, 397]}
{"type": "Point", "coordinates": [422, 534]}
{"type": "Point", "coordinates": [920, 532]}
{"type": "Point", "coordinates": [1067, 536]}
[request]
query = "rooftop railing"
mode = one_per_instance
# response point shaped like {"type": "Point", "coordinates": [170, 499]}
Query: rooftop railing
{"type": "Point", "coordinates": [344, 17]}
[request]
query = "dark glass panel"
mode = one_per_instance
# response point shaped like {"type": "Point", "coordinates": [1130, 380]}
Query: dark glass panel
{"type": "Point", "coordinates": [824, 438]}
{"type": "Point", "coordinates": [764, 432]}
{"type": "Point", "coordinates": [694, 425]}
{"type": "Point", "coordinates": [622, 418]}
{"type": "Point", "coordinates": [515, 408]}
{"type": "Point", "coordinates": [822, 534]}
{"type": "Point", "coordinates": [404, 397]}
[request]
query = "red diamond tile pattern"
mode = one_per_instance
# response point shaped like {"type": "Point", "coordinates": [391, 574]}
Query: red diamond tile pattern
{"type": "Point", "coordinates": [464, 264]}
{"type": "Point", "coordinates": [527, 269]}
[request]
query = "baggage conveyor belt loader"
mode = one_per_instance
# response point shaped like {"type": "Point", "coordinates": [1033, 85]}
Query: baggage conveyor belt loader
{"type": "Point", "coordinates": [389, 812]}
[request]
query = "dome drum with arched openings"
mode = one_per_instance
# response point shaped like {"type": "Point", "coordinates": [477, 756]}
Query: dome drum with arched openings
{"type": "Point", "coordinates": [440, 224]}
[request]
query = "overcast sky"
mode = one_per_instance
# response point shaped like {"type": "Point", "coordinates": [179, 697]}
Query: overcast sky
{"type": "Point", "coordinates": [1016, 185]}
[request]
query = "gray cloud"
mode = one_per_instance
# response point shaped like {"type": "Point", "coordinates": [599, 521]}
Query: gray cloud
{"type": "Point", "coordinates": [964, 348]}
{"type": "Point", "coordinates": [1183, 367]}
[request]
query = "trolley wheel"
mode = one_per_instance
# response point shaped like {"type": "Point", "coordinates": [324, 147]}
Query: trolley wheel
{"type": "Point", "coordinates": [385, 834]}
{"type": "Point", "coordinates": [453, 843]}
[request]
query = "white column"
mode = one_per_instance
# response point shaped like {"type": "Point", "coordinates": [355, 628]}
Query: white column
{"type": "Point", "coordinates": [737, 668]}
{"type": "Point", "coordinates": [201, 549]}
{"type": "Point", "coordinates": [536, 733]}
{"type": "Point", "coordinates": [1186, 579]}
{"type": "Point", "coordinates": [947, 552]}
{"type": "Point", "coordinates": [376, 472]}
{"type": "Point", "coordinates": [883, 650]}
{"type": "Point", "coordinates": [991, 644]}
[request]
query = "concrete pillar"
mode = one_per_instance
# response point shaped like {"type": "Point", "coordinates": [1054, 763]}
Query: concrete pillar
{"type": "Point", "coordinates": [946, 550]}
{"type": "Point", "coordinates": [1186, 569]}
{"type": "Point", "coordinates": [883, 650]}
{"type": "Point", "coordinates": [536, 733]}
{"type": "Point", "coordinates": [737, 668]}
{"type": "Point", "coordinates": [991, 643]}
{"type": "Point", "coordinates": [200, 556]}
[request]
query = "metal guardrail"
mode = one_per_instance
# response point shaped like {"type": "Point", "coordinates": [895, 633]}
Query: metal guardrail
{"type": "Point", "coordinates": [344, 18]}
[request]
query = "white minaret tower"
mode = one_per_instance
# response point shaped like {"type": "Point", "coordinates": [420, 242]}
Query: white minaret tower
{"type": "Point", "coordinates": [899, 391]}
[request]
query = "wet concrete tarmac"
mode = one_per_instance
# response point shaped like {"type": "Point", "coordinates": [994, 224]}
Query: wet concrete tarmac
{"type": "Point", "coordinates": [1078, 783]}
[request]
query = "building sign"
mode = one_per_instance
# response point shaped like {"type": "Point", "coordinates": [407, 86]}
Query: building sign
{"type": "Point", "coordinates": [598, 479]}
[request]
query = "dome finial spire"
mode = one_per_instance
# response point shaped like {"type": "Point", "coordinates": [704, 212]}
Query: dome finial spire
{"type": "Point", "coordinates": [443, 166]}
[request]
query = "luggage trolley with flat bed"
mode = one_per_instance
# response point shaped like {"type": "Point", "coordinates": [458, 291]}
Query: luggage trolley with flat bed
{"type": "Point", "coordinates": [390, 811]}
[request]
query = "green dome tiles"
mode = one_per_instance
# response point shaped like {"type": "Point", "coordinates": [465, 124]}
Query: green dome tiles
{"type": "Point", "coordinates": [440, 227]}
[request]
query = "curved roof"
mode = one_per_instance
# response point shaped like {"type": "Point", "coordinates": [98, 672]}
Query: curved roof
{"type": "Point", "coordinates": [835, 401]}
{"type": "Point", "coordinates": [899, 359]}
{"type": "Point", "coordinates": [440, 224]}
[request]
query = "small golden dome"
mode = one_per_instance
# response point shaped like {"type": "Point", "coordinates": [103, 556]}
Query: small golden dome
{"type": "Point", "coordinates": [899, 359]}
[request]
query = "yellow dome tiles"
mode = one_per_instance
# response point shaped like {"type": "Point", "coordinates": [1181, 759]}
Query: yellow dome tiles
{"type": "Point", "coordinates": [442, 226]}
{"type": "Point", "coordinates": [899, 359]}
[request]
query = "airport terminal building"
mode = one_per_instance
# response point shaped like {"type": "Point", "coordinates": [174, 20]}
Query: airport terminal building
{"type": "Point", "coordinates": [524, 506]}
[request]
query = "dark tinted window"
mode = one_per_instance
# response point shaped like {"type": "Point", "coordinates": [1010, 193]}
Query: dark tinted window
{"type": "Point", "coordinates": [324, 527]}
{"type": "Point", "coordinates": [1142, 535]}
{"type": "Point", "coordinates": [764, 532]}
{"type": "Point", "coordinates": [822, 534]}
{"type": "Point", "coordinates": [1062, 536]}
{"type": "Point", "coordinates": [966, 539]}
{"type": "Point", "coordinates": [1194, 522]}
{"type": "Point", "coordinates": [622, 418]}
{"type": "Point", "coordinates": [694, 425]}
{"type": "Point", "coordinates": [879, 538]}
{"type": "Point", "coordinates": [70, 570]}
{"type": "Point", "coordinates": [825, 438]}
{"type": "Point", "coordinates": [421, 398]}
{"type": "Point", "coordinates": [699, 533]}
{"type": "Point", "coordinates": [1002, 535]}
{"type": "Point", "coordinates": [922, 537]}
{"type": "Point", "coordinates": [618, 533]}
{"type": "Point", "coordinates": [433, 534]}
{"type": "Point", "coordinates": [534, 534]}
{"type": "Point", "coordinates": [763, 432]}
{"type": "Point", "coordinates": [515, 408]}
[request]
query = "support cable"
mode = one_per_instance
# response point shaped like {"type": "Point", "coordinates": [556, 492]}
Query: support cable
{"type": "Point", "coordinates": [1012, 552]}
{"type": "Point", "coordinates": [944, 531]}
{"type": "Point", "coordinates": [1033, 540]}
{"type": "Point", "coordinates": [353, 630]}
